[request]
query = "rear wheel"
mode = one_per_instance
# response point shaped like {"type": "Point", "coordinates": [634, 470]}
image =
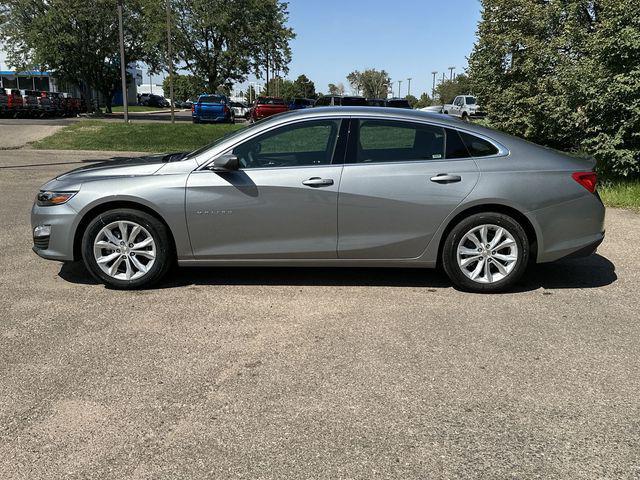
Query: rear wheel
{"type": "Point", "coordinates": [486, 252]}
{"type": "Point", "coordinates": [127, 249]}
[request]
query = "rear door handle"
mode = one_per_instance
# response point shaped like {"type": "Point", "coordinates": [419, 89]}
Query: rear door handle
{"type": "Point", "coordinates": [446, 178]}
{"type": "Point", "coordinates": [318, 182]}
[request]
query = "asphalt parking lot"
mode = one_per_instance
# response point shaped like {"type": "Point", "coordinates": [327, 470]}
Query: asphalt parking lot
{"type": "Point", "coordinates": [313, 373]}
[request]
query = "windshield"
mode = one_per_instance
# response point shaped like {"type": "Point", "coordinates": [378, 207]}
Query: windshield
{"type": "Point", "coordinates": [226, 137]}
{"type": "Point", "coordinates": [471, 100]}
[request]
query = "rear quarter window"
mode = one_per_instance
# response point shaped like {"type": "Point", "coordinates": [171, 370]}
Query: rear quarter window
{"type": "Point", "coordinates": [478, 147]}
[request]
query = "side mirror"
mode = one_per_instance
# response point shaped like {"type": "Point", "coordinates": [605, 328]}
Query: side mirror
{"type": "Point", "coordinates": [226, 163]}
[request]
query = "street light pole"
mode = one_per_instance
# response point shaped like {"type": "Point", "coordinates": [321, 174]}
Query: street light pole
{"type": "Point", "coordinates": [123, 69]}
{"type": "Point", "coordinates": [451, 69]}
{"type": "Point", "coordinates": [170, 61]}
{"type": "Point", "coordinates": [409, 86]}
{"type": "Point", "coordinates": [433, 88]}
{"type": "Point", "coordinates": [399, 88]}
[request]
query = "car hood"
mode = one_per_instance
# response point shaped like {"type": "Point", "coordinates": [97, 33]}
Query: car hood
{"type": "Point", "coordinates": [127, 167]}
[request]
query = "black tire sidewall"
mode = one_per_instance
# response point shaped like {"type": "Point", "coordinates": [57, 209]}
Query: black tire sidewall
{"type": "Point", "coordinates": [449, 252]}
{"type": "Point", "coordinates": [154, 226]}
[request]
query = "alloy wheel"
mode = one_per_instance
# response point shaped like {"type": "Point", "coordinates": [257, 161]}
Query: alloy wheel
{"type": "Point", "coordinates": [487, 253]}
{"type": "Point", "coordinates": [124, 250]}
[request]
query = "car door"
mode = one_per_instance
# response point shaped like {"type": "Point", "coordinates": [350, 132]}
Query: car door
{"type": "Point", "coordinates": [280, 204]}
{"type": "Point", "coordinates": [400, 181]}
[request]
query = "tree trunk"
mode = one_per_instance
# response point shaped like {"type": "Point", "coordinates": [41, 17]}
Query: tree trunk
{"type": "Point", "coordinates": [267, 87]}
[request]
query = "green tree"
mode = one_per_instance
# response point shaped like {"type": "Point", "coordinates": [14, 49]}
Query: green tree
{"type": "Point", "coordinates": [423, 101]}
{"type": "Point", "coordinates": [222, 41]}
{"type": "Point", "coordinates": [371, 83]}
{"type": "Point", "coordinates": [449, 89]}
{"type": "Point", "coordinates": [336, 89]}
{"type": "Point", "coordinates": [76, 39]}
{"type": "Point", "coordinates": [271, 52]}
{"type": "Point", "coordinates": [565, 74]}
{"type": "Point", "coordinates": [303, 87]}
{"type": "Point", "coordinates": [185, 86]}
{"type": "Point", "coordinates": [413, 101]}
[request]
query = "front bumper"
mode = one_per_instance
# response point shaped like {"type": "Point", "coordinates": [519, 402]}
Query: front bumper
{"type": "Point", "coordinates": [59, 244]}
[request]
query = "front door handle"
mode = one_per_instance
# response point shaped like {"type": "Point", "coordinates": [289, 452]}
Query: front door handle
{"type": "Point", "coordinates": [446, 178]}
{"type": "Point", "coordinates": [318, 182]}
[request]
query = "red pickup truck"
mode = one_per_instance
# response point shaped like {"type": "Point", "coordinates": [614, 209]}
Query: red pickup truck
{"type": "Point", "coordinates": [265, 107]}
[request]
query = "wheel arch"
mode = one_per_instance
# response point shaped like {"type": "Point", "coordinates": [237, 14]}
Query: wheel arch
{"type": "Point", "coordinates": [96, 210]}
{"type": "Point", "coordinates": [516, 214]}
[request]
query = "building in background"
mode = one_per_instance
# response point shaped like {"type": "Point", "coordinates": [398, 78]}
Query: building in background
{"type": "Point", "coordinates": [46, 81]}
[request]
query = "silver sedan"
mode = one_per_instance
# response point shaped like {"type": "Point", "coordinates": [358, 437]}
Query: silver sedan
{"type": "Point", "coordinates": [347, 187]}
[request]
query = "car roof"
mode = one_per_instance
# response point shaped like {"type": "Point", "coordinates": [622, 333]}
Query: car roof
{"type": "Point", "coordinates": [391, 114]}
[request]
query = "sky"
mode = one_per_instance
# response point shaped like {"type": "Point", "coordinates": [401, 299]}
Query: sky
{"type": "Point", "coordinates": [407, 38]}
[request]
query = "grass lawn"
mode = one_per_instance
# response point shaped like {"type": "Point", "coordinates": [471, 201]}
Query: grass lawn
{"type": "Point", "coordinates": [621, 193]}
{"type": "Point", "coordinates": [138, 108]}
{"type": "Point", "coordinates": [135, 137]}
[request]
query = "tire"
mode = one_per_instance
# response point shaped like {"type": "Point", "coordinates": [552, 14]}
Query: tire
{"type": "Point", "coordinates": [459, 249]}
{"type": "Point", "coordinates": [157, 256]}
{"type": "Point", "coordinates": [465, 117]}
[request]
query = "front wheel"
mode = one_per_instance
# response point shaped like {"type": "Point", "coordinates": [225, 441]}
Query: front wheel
{"type": "Point", "coordinates": [127, 249]}
{"type": "Point", "coordinates": [486, 252]}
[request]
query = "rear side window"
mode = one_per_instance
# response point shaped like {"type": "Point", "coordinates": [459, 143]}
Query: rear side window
{"type": "Point", "coordinates": [455, 146]}
{"type": "Point", "coordinates": [478, 147]}
{"type": "Point", "coordinates": [391, 141]}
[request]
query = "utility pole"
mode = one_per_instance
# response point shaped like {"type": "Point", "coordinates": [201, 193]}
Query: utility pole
{"type": "Point", "coordinates": [409, 86]}
{"type": "Point", "coordinates": [123, 68]}
{"type": "Point", "coordinates": [433, 88]}
{"type": "Point", "coordinates": [399, 88]}
{"type": "Point", "coordinates": [451, 69]}
{"type": "Point", "coordinates": [170, 61]}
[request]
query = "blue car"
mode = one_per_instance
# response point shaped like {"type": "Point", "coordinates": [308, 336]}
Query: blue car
{"type": "Point", "coordinates": [300, 103]}
{"type": "Point", "coordinates": [212, 108]}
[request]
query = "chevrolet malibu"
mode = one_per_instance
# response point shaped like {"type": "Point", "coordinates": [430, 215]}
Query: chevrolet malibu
{"type": "Point", "coordinates": [336, 186]}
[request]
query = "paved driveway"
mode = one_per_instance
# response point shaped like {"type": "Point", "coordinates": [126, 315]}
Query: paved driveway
{"type": "Point", "coordinates": [314, 373]}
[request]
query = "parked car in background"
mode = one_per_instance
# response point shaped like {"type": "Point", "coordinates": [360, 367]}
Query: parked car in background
{"type": "Point", "coordinates": [240, 110]}
{"type": "Point", "coordinates": [376, 102]}
{"type": "Point", "coordinates": [264, 107]}
{"type": "Point", "coordinates": [153, 100]}
{"type": "Point", "coordinates": [341, 100]}
{"type": "Point", "coordinates": [464, 107]}
{"type": "Point", "coordinates": [397, 103]}
{"type": "Point", "coordinates": [402, 189]}
{"type": "Point", "coordinates": [4, 103]}
{"type": "Point", "coordinates": [212, 108]}
{"type": "Point", "coordinates": [299, 103]}
{"type": "Point", "coordinates": [31, 103]}
{"type": "Point", "coordinates": [15, 102]}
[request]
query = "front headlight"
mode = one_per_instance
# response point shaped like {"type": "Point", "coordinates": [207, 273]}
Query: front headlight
{"type": "Point", "coordinates": [48, 198]}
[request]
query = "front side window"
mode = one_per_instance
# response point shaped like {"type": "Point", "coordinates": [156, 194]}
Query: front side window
{"type": "Point", "coordinates": [392, 141]}
{"type": "Point", "coordinates": [471, 100]}
{"type": "Point", "coordinates": [298, 145]}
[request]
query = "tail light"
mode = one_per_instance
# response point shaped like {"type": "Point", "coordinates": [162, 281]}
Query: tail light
{"type": "Point", "coordinates": [193, 107]}
{"type": "Point", "coordinates": [226, 109]}
{"type": "Point", "coordinates": [588, 180]}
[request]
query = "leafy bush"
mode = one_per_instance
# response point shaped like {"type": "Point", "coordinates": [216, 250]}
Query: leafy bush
{"type": "Point", "coordinates": [565, 74]}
